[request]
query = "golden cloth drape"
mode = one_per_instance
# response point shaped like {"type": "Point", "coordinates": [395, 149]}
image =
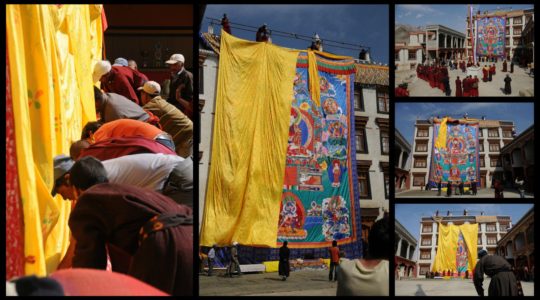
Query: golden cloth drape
{"type": "Point", "coordinates": [445, 258]}
{"type": "Point", "coordinates": [53, 49]}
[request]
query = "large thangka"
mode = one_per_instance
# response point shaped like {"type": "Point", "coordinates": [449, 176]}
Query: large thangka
{"type": "Point", "coordinates": [456, 158]}
{"type": "Point", "coordinates": [490, 37]}
{"type": "Point", "coordinates": [319, 203]}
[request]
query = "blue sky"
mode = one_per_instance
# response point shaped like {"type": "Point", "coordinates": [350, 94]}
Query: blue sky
{"type": "Point", "coordinates": [356, 24]}
{"type": "Point", "coordinates": [406, 113]}
{"type": "Point", "coordinates": [451, 15]}
{"type": "Point", "coordinates": [409, 215]}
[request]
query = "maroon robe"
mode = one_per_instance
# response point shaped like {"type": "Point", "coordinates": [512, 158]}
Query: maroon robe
{"type": "Point", "coordinates": [504, 66]}
{"type": "Point", "coordinates": [458, 88]}
{"type": "Point", "coordinates": [466, 87]}
{"type": "Point", "coordinates": [124, 81]}
{"type": "Point", "coordinates": [113, 214]}
{"type": "Point", "coordinates": [485, 74]}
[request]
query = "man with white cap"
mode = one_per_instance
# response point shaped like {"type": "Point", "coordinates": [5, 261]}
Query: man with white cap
{"type": "Point", "coordinates": [181, 79]}
{"type": "Point", "coordinates": [172, 120]}
{"type": "Point", "coordinates": [119, 79]}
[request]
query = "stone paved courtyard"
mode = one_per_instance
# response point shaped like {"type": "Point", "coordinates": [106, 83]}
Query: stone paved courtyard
{"type": "Point", "coordinates": [444, 287]}
{"type": "Point", "coordinates": [300, 283]}
{"type": "Point", "coordinates": [521, 80]}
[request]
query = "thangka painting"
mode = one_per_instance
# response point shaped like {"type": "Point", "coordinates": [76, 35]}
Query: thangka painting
{"type": "Point", "coordinates": [459, 160]}
{"type": "Point", "coordinates": [490, 36]}
{"type": "Point", "coordinates": [462, 259]}
{"type": "Point", "coordinates": [319, 194]}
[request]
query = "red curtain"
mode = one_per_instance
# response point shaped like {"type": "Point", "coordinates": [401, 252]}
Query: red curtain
{"type": "Point", "coordinates": [14, 214]}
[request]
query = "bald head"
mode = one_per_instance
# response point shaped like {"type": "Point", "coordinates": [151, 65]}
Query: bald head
{"type": "Point", "coordinates": [77, 147]}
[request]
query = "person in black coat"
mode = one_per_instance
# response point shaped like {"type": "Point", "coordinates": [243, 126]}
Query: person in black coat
{"type": "Point", "coordinates": [507, 85]}
{"type": "Point", "coordinates": [446, 83]}
{"type": "Point", "coordinates": [439, 187]}
{"type": "Point", "coordinates": [503, 281]}
{"type": "Point", "coordinates": [449, 189]}
{"type": "Point", "coordinates": [284, 267]}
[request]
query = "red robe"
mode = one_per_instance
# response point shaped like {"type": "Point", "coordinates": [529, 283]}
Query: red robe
{"type": "Point", "coordinates": [485, 73]}
{"type": "Point", "coordinates": [474, 91]}
{"type": "Point", "coordinates": [124, 81]}
{"type": "Point", "coordinates": [458, 88]}
{"type": "Point", "coordinates": [466, 87]}
{"type": "Point", "coordinates": [492, 70]}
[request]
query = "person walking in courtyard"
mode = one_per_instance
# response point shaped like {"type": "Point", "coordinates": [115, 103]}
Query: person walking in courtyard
{"type": "Point", "coordinates": [503, 281]}
{"type": "Point", "coordinates": [459, 92]}
{"type": "Point", "coordinates": [439, 187]}
{"type": "Point", "coordinates": [211, 259]}
{"type": "Point", "coordinates": [505, 66]}
{"type": "Point", "coordinates": [519, 183]}
{"type": "Point", "coordinates": [284, 268]}
{"type": "Point", "coordinates": [473, 187]}
{"type": "Point", "coordinates": [334, 261]}
{"type": "Point", "coordinates": [498, 189]}
{"type": "Point", "coordinates": [449, 189]}
{"type": "Point", "coordinates": [512, 67]}
{"type": "Point", "coordinates": [235, 264]}
{"type": "Point", "coordinates": [507, 85]}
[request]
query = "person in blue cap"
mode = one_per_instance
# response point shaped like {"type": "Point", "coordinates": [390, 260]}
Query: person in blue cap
{"type": "Point", "coordinates": [503, 282]}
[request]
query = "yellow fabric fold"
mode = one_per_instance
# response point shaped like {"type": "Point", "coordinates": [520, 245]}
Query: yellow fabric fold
{"type": "Point", "coordinates": [445, 258]}
{"type": "Point", "coordinates": [253, 103]}
{"type": "Point", "coordinates": [314, 81]}
{"type": "Point", "coordinates": [441, 138]}
{"type": "Point", "coordinates": [52, 49]}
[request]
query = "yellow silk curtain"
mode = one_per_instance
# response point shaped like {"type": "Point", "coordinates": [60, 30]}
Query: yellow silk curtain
{"type": "Point", "coordinates": [441, 138]}
{"type": "Point", "coordinates": [253, 103]}
{"type": "Point", "coordinates": [445, 258]}
{"type": "Point", "coordinates": [52, 50]}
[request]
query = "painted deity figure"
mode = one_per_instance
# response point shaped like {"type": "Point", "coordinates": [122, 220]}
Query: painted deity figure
{"type": "Point", "coordinates": [337, 173]}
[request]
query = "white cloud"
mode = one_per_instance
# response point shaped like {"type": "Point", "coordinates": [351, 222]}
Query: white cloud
{"type": "Point", "coordinates": [418, 16]}
{"type": "Point", "coordinates": [417, 8]}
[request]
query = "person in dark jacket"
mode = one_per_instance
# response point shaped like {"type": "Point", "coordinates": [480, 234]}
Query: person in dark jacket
{"type": "Point", "coordinates": [449, 189]}
{"type": "Point", "coordinates": [503, 281]}
{"type": "Point", "coordinates": [507, 85]}
{"type": "Point", "coordinates": [439, 187]}
{"type": "Point", "coordinates": [284, 268]}
{"type": "Point", "coordinates": [151, 231]}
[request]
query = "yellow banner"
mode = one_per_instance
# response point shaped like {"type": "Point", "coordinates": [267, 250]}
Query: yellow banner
{"type": "Point", "coordinates": [52, 50]}
{"type": "Point", "coordinates": [445, 258]}
{"type": "Point", "coordinates": [441, 138]}
{"type": "Point", "coordinates": [253, 106]}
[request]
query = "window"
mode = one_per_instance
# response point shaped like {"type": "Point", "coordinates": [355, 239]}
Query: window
{"type": "Point", "coordinates": [491, 240]}
{"type": "Point", "coordinates": [491, 227]}
{"type": "Point", "coordinates": [363, 183]}
{"type": "Point", "coordinates": [358, 101]}
{"type": "Point", "coordinates": [480, 132]}
{"type": "Point", "coordinates": [422, 133]}
{"type": "Point", "coordinates": [493, 133]}
{"type": "Point", "coordinates": [479, 239]}
{"type": "Point", "coordinates": [517, 20]}
{"type": "Point", "coordinates": [412, 55]}
{"type": "Point", "coordinates": [421, 147]}
{"type": "Point", "coordinates": [425, 254]}
{"type": "Point", "coordinates": [494, 147]}
{"type": "Point", "coordinates": [482, 162]}
{"type": "Point", "coordinates": [420, 162]}
{"type": "Point", "coordinates": [385, 143]}
{"type": "Point", "coordinates": [494, 161]}
{"type": "Point", "coordinates": [426, 242]}
{"type": "Point", "coordinates": [507, 133]}
{"type": "Point", "coordinates": [507, 31]}
{"type": "Point", "coordinates": [201, 81]}
{"type": "Point", "coordinates": [396, 55]}
{"type": "Point", "coordinates": [427, 229]}
{"type": "Point", "coordinates": [419, 180]}
{"type": "Point", "coordinates": [503, 227]}
{"type": "Point", "coordinates": [516, 41]}
{"type": "Point", "coordinates": [517, 31]}
{"type": "Point", "coordinates": [424, 270]}
{"type": "Point", "coordinates": [383, 102]}
{"type": "Point", "coordinates": [361, 142]}
{"type": "Point", "coordinates": [481, 145]}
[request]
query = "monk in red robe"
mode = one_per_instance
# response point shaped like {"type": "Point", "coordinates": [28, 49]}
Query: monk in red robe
{"type": "Point", "coordinates": [493, 70]}
{"type": "Point", "coordinates": [474, 86]}
{"type": "Point", "coordinates": [458, 88]}
{"type": "Point", "coordinates": [485, 72]}
{"type": "Point", "coordinates": [466, 87]}
{"type": "Point", "coordinates": [505, 65]}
